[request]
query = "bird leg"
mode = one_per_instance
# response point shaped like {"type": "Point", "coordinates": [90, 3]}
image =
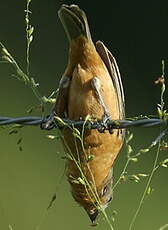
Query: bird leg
{"type": "Point", "coordinates": [60, 106]}
{"type": "Point", "coordinates": [95, 83]}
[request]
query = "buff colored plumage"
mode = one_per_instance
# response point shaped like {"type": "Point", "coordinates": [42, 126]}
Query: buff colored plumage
{"type": "Point", "coordinates": [90, 85]}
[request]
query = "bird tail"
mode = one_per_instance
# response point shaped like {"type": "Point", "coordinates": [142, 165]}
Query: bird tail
{"type": "Point", "coordinates": [74, 21]}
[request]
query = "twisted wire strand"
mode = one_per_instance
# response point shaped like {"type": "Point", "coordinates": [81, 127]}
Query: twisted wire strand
{"type": "Point", "coordinates": [113, 124]}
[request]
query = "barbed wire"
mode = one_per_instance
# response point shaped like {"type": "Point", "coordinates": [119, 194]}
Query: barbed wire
{"type": "Point", "coordinates": [21, 120]}
{"type": "Point", "coordinates": [57, 122]}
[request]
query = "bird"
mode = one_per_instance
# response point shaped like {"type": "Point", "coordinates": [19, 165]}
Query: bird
{"type": "Point", "coordinates": [90, 88]}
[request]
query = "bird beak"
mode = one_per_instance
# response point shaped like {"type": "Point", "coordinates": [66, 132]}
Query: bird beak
{"type": "Point", "coordinates": [93, 216]}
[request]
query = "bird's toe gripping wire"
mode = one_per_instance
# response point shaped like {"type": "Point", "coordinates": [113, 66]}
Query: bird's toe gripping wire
{"type": "Point", "coordinates": [48, 122]}
{"type": "Point", "coordinates": [104, 124]}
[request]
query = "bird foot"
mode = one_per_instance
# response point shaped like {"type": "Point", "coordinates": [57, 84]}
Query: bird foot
{"type": "Point", "coordinates": [48, 122]}
{"type": "Point", "coordinates": [104, 124]}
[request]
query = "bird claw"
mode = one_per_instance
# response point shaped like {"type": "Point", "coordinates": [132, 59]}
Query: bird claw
{"type": "Point", "coordinates": [104, 124]}
{"type": "Point", "coordinates": [48, 122]}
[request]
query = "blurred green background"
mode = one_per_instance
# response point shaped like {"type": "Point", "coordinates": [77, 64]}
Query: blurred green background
{"type": "Point", "coordinates": [136, 32]}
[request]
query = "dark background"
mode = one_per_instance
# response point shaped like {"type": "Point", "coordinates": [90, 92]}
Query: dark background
{"type": "Point", "coordinates": [136, 33]}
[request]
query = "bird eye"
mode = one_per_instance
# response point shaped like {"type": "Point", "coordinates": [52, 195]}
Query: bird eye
{"type": "Point", "coordinates": [105, 189]}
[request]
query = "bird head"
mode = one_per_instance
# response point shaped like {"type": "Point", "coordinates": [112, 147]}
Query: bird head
{"type": "Point", "coordinates": [93, 199]}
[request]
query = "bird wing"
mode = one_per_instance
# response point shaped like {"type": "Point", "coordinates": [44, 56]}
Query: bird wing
{"type": "Point", "coordinates": [113, 70]}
